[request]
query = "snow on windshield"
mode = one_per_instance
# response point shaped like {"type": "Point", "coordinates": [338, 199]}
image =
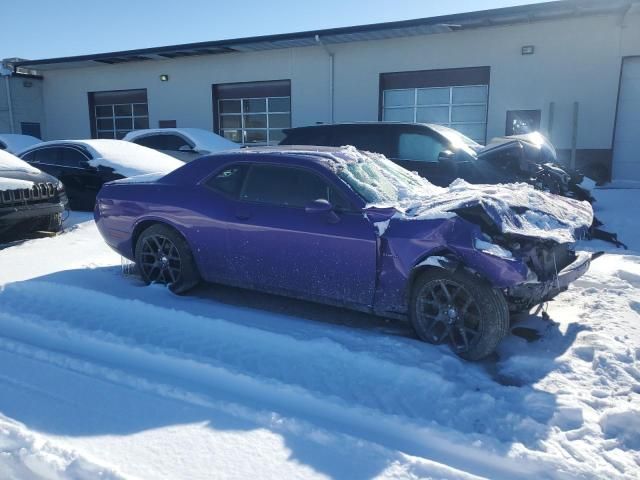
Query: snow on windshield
{"type": "Point", "coordinates": [514, 208]}
{"type": "Point", "coordinates": [378, 180]}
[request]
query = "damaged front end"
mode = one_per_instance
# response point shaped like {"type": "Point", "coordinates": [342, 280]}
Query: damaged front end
{"type": "Point", "coordinates": [552, 263]}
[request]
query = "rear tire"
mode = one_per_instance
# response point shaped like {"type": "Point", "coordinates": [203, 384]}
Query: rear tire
{"type": "Point", "coordinates": [459, 309]}
{"type": "Point", "coordinates": [164, 256]}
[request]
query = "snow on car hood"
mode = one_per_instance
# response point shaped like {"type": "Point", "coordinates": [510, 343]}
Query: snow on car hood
{"type": "Point", "coordinates": [517, 209]}
{"type": "Point", "coordinates": [9, 162]}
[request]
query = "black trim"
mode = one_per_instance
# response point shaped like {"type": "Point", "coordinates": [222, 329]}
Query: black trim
{"type": "Point", "coordinates": [446, 77]}
{"type": "Point", "coordinates": [476, 19]}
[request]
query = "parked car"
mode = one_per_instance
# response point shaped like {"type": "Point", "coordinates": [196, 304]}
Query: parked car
{"type": "Point", "coordinates": [30, 200]}
{"type": "Point", "coordinates": [185, 144]}
{"type": "Point", "coordinates": [14, 143]}
{"type": "Point", "coordinates": [84, 165]}
{"type": "Point", "coordinates": [354, 229]}
{"type": "Point", "coordinates": [441, 154]}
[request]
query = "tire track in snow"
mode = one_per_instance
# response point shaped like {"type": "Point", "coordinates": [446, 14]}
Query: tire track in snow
{"type": "Point", "coordinates": [315, 378]}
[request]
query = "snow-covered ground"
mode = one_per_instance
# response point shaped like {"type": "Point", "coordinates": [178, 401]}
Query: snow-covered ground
{"type": "Point", "coordinates": [101, 377]}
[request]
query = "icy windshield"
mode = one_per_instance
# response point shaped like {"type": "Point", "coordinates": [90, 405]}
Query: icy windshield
{"type": "Point", "coordinates": [379, 180]}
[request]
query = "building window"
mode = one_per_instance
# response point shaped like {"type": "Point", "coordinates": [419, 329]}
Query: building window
{"type": "Point", "coordinates": [31, 128]}
{"type": "Point", "coordinates": [116, 113]}
{"type": "Point", "coordinates": [463, 108]}
{"type": "Point", "coordinates": [520, 122]}
{"type": "Point", "coordinates": [455, 98]}
{"type": "Point", "coordinates": [253, 113]}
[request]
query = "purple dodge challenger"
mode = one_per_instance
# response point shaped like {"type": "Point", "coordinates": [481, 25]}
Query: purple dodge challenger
{"type": "Point", "coordinates": [351, 228]}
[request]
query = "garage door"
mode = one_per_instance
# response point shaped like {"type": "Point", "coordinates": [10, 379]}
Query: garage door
{"type": "Point", "coordinates": [626, 149]}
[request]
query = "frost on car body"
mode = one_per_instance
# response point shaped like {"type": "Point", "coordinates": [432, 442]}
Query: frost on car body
{"type": "Point", "coordinates": [345, 227]}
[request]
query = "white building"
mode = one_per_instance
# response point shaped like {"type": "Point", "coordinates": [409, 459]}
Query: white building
{"type": "Point", "coordinates": [570, 68]}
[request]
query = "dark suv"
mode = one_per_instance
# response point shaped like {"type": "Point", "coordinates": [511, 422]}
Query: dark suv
{"type": "Point", "coordinates": [441, 154]}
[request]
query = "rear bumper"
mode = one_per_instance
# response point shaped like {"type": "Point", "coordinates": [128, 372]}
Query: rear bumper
{"type": "Point", "coordinates": [538, 292]}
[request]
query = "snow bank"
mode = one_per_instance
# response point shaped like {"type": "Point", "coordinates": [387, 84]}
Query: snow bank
{"type": "Point", "coordinates": [24, 455]}
{"type": "Point", "coordinates": [514, 208]}
{"type": "Point", "coordinates": [16, 143]}
{"type": "Point", "coordinates": [623, 424]}
{"type": "Point", "coordinates": [202, 139]}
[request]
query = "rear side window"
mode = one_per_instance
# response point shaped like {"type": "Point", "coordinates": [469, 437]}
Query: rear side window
{"type": "Point", "coordinates": [229, 181]}
{"type": "Point", "coordinates": [419, 147]}
{"type": "Point", "coordinates": [291, 187]}
{"type": "Point", "coordinates": [163, 142]}
{"type": "Point", "coordinates": [365, 137]}
{"type": "Point", "coordinates": [308, 136]}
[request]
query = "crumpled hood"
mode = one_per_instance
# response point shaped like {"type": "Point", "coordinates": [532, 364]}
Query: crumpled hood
{"type": "Point", "coordinates": [517, 209]}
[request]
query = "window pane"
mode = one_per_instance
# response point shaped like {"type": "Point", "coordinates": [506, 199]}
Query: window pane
{"type": "Point", "coordinates": [255, 136]}
{"type": "Point", "coordinates": [279, 104]}
{"type": "Point", "coordinates": [255, 121]}
{"type": "Point", "coordinates": [121, 133]}
{"type": "Point", "coordinates": [255, 105]}
{"type": "Point", "coordinates": [233, 135]}
{"type": "Point", "coordinates": [433, 96]}
{"type": "Point", "coordinates": [468, 113]}
{"type": "Point", "coordinates": [275, 135]}
{"type": "Point", "coordinates": [398, 98]}
{"type": "Point", "coordinates": [472, 94]}
{"type": "Point", "coordinates": [105, 123]}
{"type": "Point", "coordinates": [71, 158]}
{"type": "Point", "coordinates": [433, 114]}
{"type": "Point", "coordinates": [279, 120]}
{"type": "Point", "coordinates": [398, 114]}
{"type": "Point", "coordinates": [230, 180]}
{"type": "Point", "coordinates": [416, 146]}
{"type": "Point", "coordinates": [124, 124]}
{"type": "Point", "coordinates": [229, 106]}
{"type": "Point", "coordinates": [105, 134]}
{"type": "Point", "coordinates": [140, 109]}
{"type": "Point", "coordinates": [284, 186]}
{"type": "Point", "coordinates": [139, 123]}
{"type": "Point", "coordinates": [104, 111]}
{"type": "Point", "coordinates": [476, 132]}
{"type": "Point", "coordinates": [122, 110]}
{"type": "Point", "coordinates": [230, 121]}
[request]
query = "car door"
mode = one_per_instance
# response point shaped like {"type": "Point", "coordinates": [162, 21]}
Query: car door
{"type": "Point", "coordinates": [275, 244]}
{"type": "Point", "coordinates": [419, 151]}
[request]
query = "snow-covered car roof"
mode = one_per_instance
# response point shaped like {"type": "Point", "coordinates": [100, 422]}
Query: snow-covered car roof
{"type": "Point", "coordinates": [16, 143]}
{"type": "Point", "coordinates": [201, 139]}
{"type": "Point", "coordinates": [125, 158]}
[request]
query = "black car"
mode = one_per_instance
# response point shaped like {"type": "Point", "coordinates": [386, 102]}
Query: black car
{"type": "Point", "coordinates": [30, 200]}
{"type": "Point", "coordinates": [441, 154]}
{"type": "Point", "coordinates": [83, 166]}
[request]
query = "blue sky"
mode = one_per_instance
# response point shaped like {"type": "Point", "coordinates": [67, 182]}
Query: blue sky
{"type": "Point", "coordinates": [55, 28]}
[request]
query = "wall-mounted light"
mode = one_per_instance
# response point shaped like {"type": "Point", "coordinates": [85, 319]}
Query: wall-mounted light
{"type": "Point", "coordinates": [164, 77]}
{"type": "Point", "coordinates": [528, 50]}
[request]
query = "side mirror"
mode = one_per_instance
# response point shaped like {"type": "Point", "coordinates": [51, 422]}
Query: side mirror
{"type": "Point", "coordinates": [186, 148]}
{"type": "Point", "coordinates": [322, 206]}
{"type": "Point", "coordinates": [446, 156]}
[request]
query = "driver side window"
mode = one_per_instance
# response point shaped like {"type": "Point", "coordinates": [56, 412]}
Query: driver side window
{"type": "Point", "coordinates": [290, 187]}
{"type": "Point", "coordinates": [419, 147]}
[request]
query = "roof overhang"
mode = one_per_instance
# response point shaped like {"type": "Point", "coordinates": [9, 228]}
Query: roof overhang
{"type": "Point", "coordinates": [423, 26]}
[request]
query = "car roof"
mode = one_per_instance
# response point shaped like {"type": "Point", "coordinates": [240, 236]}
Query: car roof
{"type": "Point", "coordinates": [363, 123]}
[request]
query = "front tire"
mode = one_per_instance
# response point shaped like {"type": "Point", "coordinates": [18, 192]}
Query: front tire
{"type": "Point", "coordinates": [461, 310]}
{"type": "Point", "coordinates": [163, 256]}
